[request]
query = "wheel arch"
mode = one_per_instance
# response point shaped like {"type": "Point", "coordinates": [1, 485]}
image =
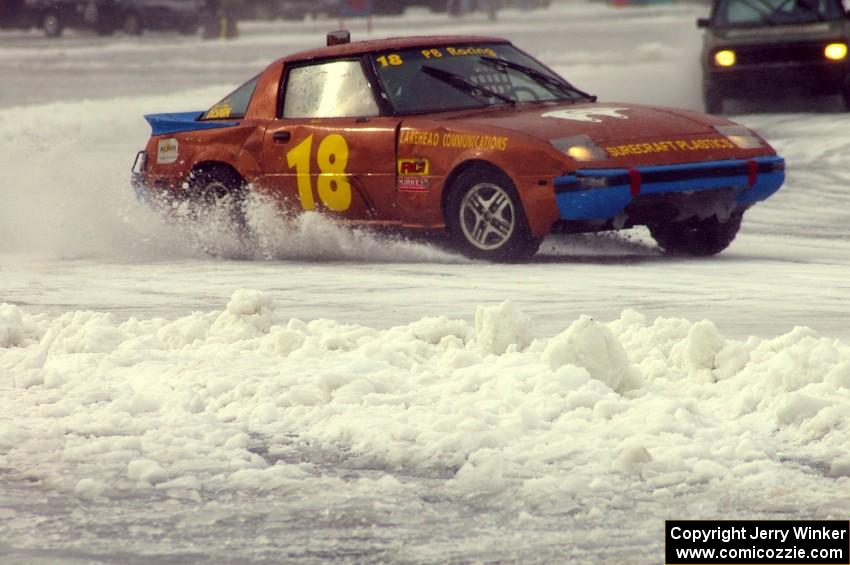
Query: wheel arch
{"type": "Point", "coordinates": [462, 168]}
{"type": "Point", "coordinates": [213, 165]}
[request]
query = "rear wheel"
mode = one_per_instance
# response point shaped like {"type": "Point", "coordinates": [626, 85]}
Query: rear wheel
{"type": "Point", "coordinates": [485, 218]}
{"type": "Point", "coordinates": [52, 24]}
{"type": "Point", "coordinates": [698, 237]}
{"type": "Point", "coordinates": [131, 24]}
{"type": "Point", "coordinates": [218, 192]}
{"type": "Point", "coordinates": [104, 27]}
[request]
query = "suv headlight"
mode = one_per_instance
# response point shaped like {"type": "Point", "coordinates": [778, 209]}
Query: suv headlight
{"type": "Point", "coordinates": [835, 51]}
{"type": "Point", "coordinates": [742, 137]}
{"type": "Point", "coordinates": [725, 58]}
{"type": "Point", "coordinates": [580, 148]}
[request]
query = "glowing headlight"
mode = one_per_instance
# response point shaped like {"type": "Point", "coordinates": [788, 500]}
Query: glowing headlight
{"type": "Point", "coordinates": [740, 136]}
{"type": "Point", "coordinates": [580, 148]}
{"type": "Point", "coordinates": [725, 58]}
{"type": "Point", "coordinates": [835, 51]}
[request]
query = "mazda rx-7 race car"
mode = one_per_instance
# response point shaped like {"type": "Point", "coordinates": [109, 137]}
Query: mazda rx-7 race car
{"type": "Point", "coordinates": [464, 135]}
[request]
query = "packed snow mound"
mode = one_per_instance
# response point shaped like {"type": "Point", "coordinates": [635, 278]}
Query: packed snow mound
{"type": "Point", "coordinates": [216, 400]}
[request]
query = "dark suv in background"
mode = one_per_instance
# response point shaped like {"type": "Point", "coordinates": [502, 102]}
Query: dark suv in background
{"type": "Point", "coordinates": [765, 48]}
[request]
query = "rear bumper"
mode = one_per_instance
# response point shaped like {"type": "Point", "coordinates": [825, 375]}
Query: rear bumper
{"type": "Point", "coordinates": [603, 194]}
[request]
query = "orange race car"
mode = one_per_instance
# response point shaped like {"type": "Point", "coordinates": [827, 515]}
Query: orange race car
{"type": "Point", "coordinates": [464, 135]}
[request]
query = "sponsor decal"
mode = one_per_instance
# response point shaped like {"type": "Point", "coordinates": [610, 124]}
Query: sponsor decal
{"type": "Point", "coordinates": [467, 51]}
{"type": "Point", "coordinates": [414, 167]}
{"type": "Point", "coordinates": [669, 146]}
{"type": "Point", "coordinates": [454, 140]}
{"type": "Point", "coordinates": [166, 151]}
{"type": "Point", "coordinates": [395, 59]}
{"type": "Point", "coordinates": [587, 115]}
{"type": "Point", "coordinates": [412, 184]}
{"type": "Point", "coordinates": [220, 110]}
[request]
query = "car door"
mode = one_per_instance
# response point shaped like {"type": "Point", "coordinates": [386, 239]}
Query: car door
{"type": "Point", "coordinates": [330, 150]}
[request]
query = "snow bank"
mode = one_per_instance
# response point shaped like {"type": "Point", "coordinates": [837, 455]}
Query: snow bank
{"type": "Point", "coordinates": [214, 401]}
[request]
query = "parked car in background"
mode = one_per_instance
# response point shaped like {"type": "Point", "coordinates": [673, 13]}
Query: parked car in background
{"type": "Point", "coordinates": [288, 9]}
{"type": "Point", "coordinates": [102, 16]}
{"type": "Point", "coordinates": [766, 47]}
{"type": "Point", "coordinates": [53, 16]}
{"type": "Point", "coordinates": [183, 16]}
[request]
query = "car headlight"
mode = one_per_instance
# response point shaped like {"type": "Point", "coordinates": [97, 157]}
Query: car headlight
{"type": "Point", "coordinates": [580, 148]}
{"type": "Point", "coordinates": [835, 51]}
{"type": "Point", "coordinates": [742, 137]}
{"type": "Point", "coordinates": [725, 58]}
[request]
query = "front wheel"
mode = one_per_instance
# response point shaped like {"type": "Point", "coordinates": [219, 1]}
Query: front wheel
{"type": "Point", "coordinates": [698, 237]}
{"type": "Point", "coordinates": [712, 99]}
{"type": "Point", "coordinates": [485, 217]}
{"type": "Point", "coordinates": [845, 97]}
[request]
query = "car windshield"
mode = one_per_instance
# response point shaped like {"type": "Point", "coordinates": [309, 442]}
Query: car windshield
{"type": "Point", "coordinates": [434, 79]}
{"type": "Point", "coordinates": [775, 12]}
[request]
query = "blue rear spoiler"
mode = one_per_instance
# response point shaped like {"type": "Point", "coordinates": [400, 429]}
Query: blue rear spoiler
{"type": "Point", "coordinates": [164, 124]}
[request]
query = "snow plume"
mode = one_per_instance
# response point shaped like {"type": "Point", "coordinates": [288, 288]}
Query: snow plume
{"type": "Point", "coordinates": [310, 235]}
{"type": "Point", "coordinates": [73, 199]}
{"type": "Point", "coordinates": [216, 400]}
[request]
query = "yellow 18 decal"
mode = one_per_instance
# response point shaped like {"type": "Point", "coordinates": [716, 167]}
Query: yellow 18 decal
{"type": "Point", "coordinates": [332, 184]}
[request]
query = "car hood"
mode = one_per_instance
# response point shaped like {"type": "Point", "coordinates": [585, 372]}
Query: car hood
{"type": "Point", "coordinates": [603, 123]}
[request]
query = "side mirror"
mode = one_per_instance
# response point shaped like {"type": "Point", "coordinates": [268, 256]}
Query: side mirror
{"type": "Point", "coordinates": [703, 23]}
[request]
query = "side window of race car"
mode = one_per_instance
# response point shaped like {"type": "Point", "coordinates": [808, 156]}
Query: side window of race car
{"type": "Point", "coordinates": [235, 104]}
{"type": "Point", "coordinates": [335, 89]}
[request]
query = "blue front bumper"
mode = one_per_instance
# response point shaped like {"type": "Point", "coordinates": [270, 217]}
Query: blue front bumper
{"type": "Point", "coordinates": [602, 194]}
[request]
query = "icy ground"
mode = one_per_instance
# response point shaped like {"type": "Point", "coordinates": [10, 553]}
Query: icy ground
{"type": "Point", "coordinates": [335, 396]}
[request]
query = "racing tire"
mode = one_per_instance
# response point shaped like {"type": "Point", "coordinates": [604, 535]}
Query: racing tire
{"type": "Point", "coordinates": [104, 28]}
{"type": "Point", "coordinates": [189, 28]}
{"type": "Point", "coordinates": [216, 189]}
{"type": "Point", "coordinates": [52, 24]}
{"type": "Point", "coordinates": [845, 98]}
{"type": "Point", "coordinates": [485, 218]}
{"type": "Point", "coordinates": [697, 237]}
{"type": "Point", "coordinates": [131, 24]}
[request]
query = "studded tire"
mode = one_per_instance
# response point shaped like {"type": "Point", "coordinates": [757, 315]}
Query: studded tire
{"type": "Point", "coordinates": [216, 189]}
{"type": "Point", "coordinates": [697, 237]}
{"type": "Point", "coordinates": [485, 218]}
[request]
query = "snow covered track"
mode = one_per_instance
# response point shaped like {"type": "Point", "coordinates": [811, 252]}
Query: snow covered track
{"type": "Point", "coordinates": [534, 433]}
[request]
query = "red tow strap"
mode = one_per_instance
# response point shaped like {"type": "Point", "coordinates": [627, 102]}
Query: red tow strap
{"type": "Point", "coordinates": [753, 170]}
{"type": "Point", "coordinates": [634, 177]}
